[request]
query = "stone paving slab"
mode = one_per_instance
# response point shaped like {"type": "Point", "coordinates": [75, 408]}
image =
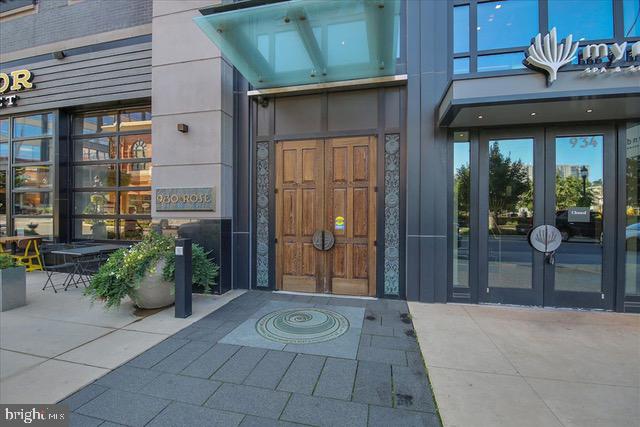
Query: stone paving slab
{"type": "Point", "coordinates": [197, 378]}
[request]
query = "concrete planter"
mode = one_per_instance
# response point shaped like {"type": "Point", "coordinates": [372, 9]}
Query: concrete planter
{"type": "Point", "coordinates": [13, 288]}
{"type": "Point", "coordinates": [153, 291]}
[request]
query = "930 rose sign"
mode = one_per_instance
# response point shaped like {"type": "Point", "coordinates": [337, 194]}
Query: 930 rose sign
{"type": "Point", "coordinates": [186, 199]}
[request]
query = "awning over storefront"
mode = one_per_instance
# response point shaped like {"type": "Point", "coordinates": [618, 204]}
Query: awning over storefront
{"type": "Point", "coordinates": [527, 99]}
{"type": "Point", "coordinates": [301, 42]}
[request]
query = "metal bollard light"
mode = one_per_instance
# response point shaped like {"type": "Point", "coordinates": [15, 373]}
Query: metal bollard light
{"type": "Point", "coordinates": [183, 278]}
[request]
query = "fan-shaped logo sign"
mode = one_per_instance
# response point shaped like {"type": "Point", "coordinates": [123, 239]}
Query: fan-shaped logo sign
{"type": "Point", "coordinates": [545, 238]}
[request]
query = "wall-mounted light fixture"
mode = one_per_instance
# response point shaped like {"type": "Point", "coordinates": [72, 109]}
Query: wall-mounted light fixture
{"type": "Point", "coordinates": [183, 128]}
{"type": "Point", "coordinates": [58, 54]}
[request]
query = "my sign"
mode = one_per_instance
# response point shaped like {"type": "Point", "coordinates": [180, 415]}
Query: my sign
{"type": "Point", "coordinates": [15, 81]}
{"type": "Point", "coordinates": [548, 55]}
{"type": "Point", "coordinates": [186, 199]}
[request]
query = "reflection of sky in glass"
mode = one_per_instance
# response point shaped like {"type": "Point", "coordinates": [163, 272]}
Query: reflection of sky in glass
{"type": "Point", "coordinates": [4, 129]}
{"type": "Point", "coordinates": [582, 153]}
{"type": "Point", "coordinates": [516, 149]}
{"type": "Point", "coordinates": [460, 155]}
{"type": "Point", "coordinates": [506, 23]}
{"type": "Point", "coordinates": [501, 62]}
{"type": "Point", "coordinates": [460, 29]}
{"type": "Point", "coordinates": [631, 18]}
{"type": "Point", "coordinates": [461, 66]}
{"type": "Point", "coordinates": [589, 20]}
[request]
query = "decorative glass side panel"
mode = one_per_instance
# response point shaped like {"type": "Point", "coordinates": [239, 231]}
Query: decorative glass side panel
{"type": "Point", "coordinates": [308, 41]}
{"type": "Point", "coordinates": [461, 208]}
{"type": "Point", "coordinates": [632, 224]}
{"type": "Point", "coordinates": [262, 214]}
{"type": "Point", "coordinates": [392, 214]}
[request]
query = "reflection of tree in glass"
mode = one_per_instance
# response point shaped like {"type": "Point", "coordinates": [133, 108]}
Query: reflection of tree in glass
{"type": "Point", "coordinates": [508, 181]}
{"type": "Point", "coordinates": [569, 192]}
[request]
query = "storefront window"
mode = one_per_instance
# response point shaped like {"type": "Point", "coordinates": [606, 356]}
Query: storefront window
{"type": "Point", "coordinates": [95, 123]}
{"type": "Point", "coordinates": [460, 29]}
{"type": "Point", "coordinates": [32, 150]}
{"type": "Point", "coordinates": [461, 200]}
{"type": "Point", "coordinates": [32, 177]}
{"type": "Point", "coordinates": [95, 176]}
{"type": "Point", "coordinates": [503, 24]}
{"type": "Point", "coordinates": [112, 175]}
{"type": "Point", "coordinates": [500, 62]}
{"type": "Point", "coordinates": [510, 213]}
{"type": "Point", "coordinates": [631, 10]}
{"type": "Point", "coordinates": [94, 149]}
{"type": "Point", "coordinates": [32, 173]}
{"type": "Point", "coordinates": [31, 126]}
{"type": "Point", "coordinates": [3, 203]}
{"type": "Point", "coordinates": [586, 20]}
{"type": "Point", "coordinates": [632, 225]}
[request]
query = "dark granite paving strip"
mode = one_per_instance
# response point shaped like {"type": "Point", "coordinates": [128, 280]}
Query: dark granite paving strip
{"type": "Point", "coordinates": [387, 417]}
{"type": "Point", "coordinates": [249, 400]}
{"type": "Point", "coordinates": [383, 355]}
{"type": "Point", "coordinates": [320, 411]}
{"type": "Point", "coordinates": [336, 379]}
{"type": "Point", "coordinates": [269, 371]}
{"type": "Point", "coordinates": [210, 361]}
{"type": "Point", "coordinates": [83, 396]}
{"type": "Point", "coordinates": [181, 358]}
{"type": "Point", "coordinates": [123, 407]}
{"type": "Point", "coordinates": [181, 388]}
{"type": "Point", "coordinates": [77, 420]}
{"type": "Point", "coordinates": [302, 375]}
{"type": "Point", "coordinates": [251, 421]}
{"type": "Point", "coordinates": [127, 378]}
{"type": "Point", "coordinates": [412, 390]}
{"type": "Point", "coordinates": [180, 414]}
{"type": "Point", "coordinates": [240, 365]}
{"type": "Point", "coordinates": [157, 353]}
{"type": "Point", "coordinates": [373, 384]}
{"type": "Point", "coordinates": [191, 380]}
{"type": "Point", "coordinates": [394, 343]}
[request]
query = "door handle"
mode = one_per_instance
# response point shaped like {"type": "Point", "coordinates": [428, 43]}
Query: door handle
{"type": "Point", "coordinates": [323, 240]}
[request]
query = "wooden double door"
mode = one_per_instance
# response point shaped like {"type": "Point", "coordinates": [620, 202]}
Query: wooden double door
{"type": "Point", "coordinates": [325, 194]}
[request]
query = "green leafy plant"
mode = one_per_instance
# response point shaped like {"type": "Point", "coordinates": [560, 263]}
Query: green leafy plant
{"type": "Point", "coordinates": [122, 273]}
{"type": "Point", "coordinates": [204, 272]}
{"type": "Point", "coordinates": [6, 261]}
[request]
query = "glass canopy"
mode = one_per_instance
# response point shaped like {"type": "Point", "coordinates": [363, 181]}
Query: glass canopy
{"type": "Point", "coordinates": [308, 41]}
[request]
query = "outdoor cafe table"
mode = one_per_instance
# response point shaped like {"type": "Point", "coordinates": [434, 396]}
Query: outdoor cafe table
{"type": "Point", "coordinates": [77, 254]}
{"type": "Point", "coordinates": [14, 240]}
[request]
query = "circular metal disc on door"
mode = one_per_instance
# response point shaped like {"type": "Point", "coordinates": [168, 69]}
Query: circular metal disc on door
{"type": "Point", "coordinates": [323, 240]}
{"type": "Point", "coordinates": [545, 238]}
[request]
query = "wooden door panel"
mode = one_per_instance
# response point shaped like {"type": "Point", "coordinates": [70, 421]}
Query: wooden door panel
{"type": "Point", "coordinates": [299, 204]}
{"type": "Point", "coordinates": [350, 190]}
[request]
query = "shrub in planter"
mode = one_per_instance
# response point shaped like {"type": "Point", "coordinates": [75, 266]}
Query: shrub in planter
{"type": "Point", "coordinates": [13, 284]}
{"type": "Point", "coordinates": [146, 273]}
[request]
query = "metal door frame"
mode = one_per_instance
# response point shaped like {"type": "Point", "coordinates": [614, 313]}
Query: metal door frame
{"type": "Point", "coordinates": [604, 299]}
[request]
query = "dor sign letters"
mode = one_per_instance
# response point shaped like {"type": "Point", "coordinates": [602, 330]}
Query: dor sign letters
{"type": "Point", "coordinates": [15, 81]}
{"type": "Point", "coordinates": [185, 199]}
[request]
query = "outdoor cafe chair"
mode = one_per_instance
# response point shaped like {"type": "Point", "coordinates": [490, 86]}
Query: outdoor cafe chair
{"type": "Point", "coordinates": [53, 269]}
{"type": "Point", "coordinates": [29, 254]}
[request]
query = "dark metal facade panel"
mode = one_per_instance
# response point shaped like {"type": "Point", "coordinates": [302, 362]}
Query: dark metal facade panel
{"type": "Point", "coordinates": [119, 74]}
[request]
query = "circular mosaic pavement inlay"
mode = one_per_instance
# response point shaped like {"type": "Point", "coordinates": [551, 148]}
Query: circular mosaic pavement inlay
{"type": "Point", "coordinates": [302, 325]}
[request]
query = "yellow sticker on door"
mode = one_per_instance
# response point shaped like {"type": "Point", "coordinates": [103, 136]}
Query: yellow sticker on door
{"type": "Point", "coordinates": [339, 223]}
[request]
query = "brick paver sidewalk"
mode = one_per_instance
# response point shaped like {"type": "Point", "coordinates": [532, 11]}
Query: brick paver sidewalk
{"type": "Point", "coordinates": [191, 379]}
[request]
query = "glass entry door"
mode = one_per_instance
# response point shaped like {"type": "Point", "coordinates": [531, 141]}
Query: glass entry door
{"type": "Point", "coordinates": [580, 202]}
{"type": "Point", "coordinates": [563, 177]}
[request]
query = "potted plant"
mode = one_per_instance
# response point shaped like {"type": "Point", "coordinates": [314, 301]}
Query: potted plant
{"type": "Point", "coordinates": [146, 273]}
{"type": "Point", "coordinates": [13, 284]}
